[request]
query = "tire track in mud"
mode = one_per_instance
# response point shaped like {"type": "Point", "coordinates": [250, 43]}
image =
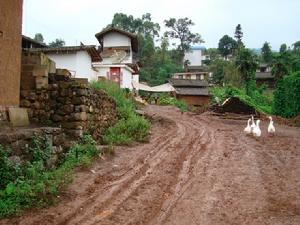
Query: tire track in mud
{"type": "Point", "coordinates": [164, 161]}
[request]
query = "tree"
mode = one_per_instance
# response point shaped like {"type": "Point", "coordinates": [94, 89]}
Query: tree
{"type": "Point", "coordinates": [247, 63]}
{"type": "Point", "coordinates": [57, 43]}
{"type": "Point", "coordinates": [238, 34]}
{"type": "Point", "coordinates": [266, 53]}
{"type": "Point", "coordinates": [283, 48]}
{"type": "Point", "coordinates": [227, 46]}
{"type": "Point", "coordinates": [143, 26]}
{"type": "Point", "coordinates": [39, 38]}
{"type": "Point", "coordinates": [180, 29]}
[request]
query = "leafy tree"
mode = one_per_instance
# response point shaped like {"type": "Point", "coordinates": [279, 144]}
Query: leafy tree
{"type": "Point", "coordinates": [143, 26]}
{"type": "Point", "coordinates": [57, 43]}
{"type": "Point", "coordinates": [39, 37]}
{"type": "Point", "coordinates": [247, 63]}
{"type": "Point", "coordinates": [283, 48]}
{"type": "Point", "coordinates": [212, 54]}
{"type": "Point", "coordinates": [238, 34]}
{"type": "Point", "coordinates": [180, 29]}
{"type": "Point", "coordinates": [266, 53]}
{"type": "Point", "coordinates": [225, 71]}
{"type": "Point", "coordinates": [227, 46]}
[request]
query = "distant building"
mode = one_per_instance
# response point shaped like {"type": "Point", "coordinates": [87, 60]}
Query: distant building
{"type": "Point", "coordinates": [191, 87]}
{"type": "Point", "coordinates": [193, 59]}
{"type": "Point", "coordinates": [264, 76]}
{"type": "Point", "coordinates": [78, 60]}
{"type": "Point", "coordinates": [118, 51]}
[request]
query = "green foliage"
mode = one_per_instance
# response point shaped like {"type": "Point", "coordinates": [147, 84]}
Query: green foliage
{"type": "Point", "coordinates": [227, 46]}
{"type": "Point", "coordinates": [283, 48]}
{"type": "Point", "coordinates": [225, 71]}
{"type": "Point", "coordinates": [167, 100]}
{"type": "Point", "coordinates": [143, 26]}
{"type": "Point", "coordinates": [128, 130]}
{"type": "Point", "coordinates": [247, 63]}
{"type": "Point", "coordinates": [238, 34]}
{"type": "Point", "coordinates": [39, 149]}
{"type": "Point", "coordinates": [260, 102]}
{"type": "Point", "coordinates": [39, 37]}
{"type": "Point", "coordinates": [30, 184]}
{"type": "Point", "coordinates": [287, 96]}
{"type": "Point", "coordinates": [57, 43]}
{"type": "Point", "coordinates": [266, 53]}
{"type": "Point", "coordinates": [180, 29]}
{"type": "Point", "coordinates": [130, 127]}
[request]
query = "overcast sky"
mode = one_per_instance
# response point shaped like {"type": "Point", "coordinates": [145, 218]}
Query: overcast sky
{"type": "Point", "coordinates": [275, 21]}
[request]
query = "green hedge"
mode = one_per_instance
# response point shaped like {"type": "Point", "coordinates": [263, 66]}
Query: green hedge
{"type": "Point", "coordinates": [287, 96]}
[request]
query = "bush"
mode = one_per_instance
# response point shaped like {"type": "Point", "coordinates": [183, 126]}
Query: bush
{"type": "Point", "coordinates": [30, 184]}
{"type": "Point", "coordinates": [260, 102]}
{"type": "Point", "coordinates": [134, 128]}
{"type": "Point", "coordinates": [130, 126]}
{"type": "Point", "coordinates": [167, 100]}
{"type": "Point", "coordinates": [287, 96]}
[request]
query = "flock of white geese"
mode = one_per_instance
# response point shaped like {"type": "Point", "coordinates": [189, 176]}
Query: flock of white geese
{"type": "Point", "coordinates": [254, 128]}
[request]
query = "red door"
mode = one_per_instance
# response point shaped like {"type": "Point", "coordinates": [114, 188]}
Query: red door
{"type": "Point", "coordinates": [115, 74]}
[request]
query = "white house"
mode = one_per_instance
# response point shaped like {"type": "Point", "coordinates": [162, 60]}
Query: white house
{"type": "Point", "coordinates": [195, 56]}
{"type": "Point", "coordinates": [118, 49]}
{"type": "Point", "coordinates": [77, 59]}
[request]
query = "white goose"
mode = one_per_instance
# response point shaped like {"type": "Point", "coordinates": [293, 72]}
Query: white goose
{"type": "Point", "coordinates": [252, 124]}
{"type": "Point", "coordinates": [271, 128]}
{"type": "Point", "coordinates": [247, 129]}
{"type": "Point", "coordinates": [256, 131]}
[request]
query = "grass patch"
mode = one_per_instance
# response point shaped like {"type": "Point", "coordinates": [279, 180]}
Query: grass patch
{"type": "Point", "coordinates": [32, 184]}
{"type": "Point", "coordinates": [167, 100]}
{"type": "Point", "coordinates": [130, 126]}
{"type": "Point", "coordinates": [258, 100]}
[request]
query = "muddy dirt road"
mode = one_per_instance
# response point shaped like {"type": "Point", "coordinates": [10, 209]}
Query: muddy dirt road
{"type": "Point", "coordinates": [196, 169]}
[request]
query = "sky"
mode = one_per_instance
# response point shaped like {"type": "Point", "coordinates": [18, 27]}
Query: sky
{"type": "Point", "coordinates": [75, 21]}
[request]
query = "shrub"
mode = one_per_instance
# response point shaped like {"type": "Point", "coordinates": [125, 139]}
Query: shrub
{"type": "Point", "coordinates": [257, 100]}
{"type": "Point", "coordinates": [287, 96]}
{"type": "Point", "coordinates": [167, 100]}
{"type": "Point", "coordinates": [30, 184]}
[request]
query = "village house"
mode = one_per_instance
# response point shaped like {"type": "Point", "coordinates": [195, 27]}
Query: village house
{"type": "Point", "coordinates": [193, 59]}
{"type": "Point", "coordinates": [193, 88]}
{"type": "Point", "coordinates": [77, 59]}
{"type": "Point", "coordinates": [118, 51]}
{"type": "Point", "coordinates": [264, 76]}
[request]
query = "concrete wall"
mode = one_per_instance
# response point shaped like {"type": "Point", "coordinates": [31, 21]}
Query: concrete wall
{"type": "Point", "coordinates": [195, 57]}
{"type": "Point", "coordinates": [114, 39]}
{"type": "Point", "coordinates": [79, 63]}
{"type": "Point", "coordinates": [126, 78]}
{"type": "Point", "coordinates": [10, 51]}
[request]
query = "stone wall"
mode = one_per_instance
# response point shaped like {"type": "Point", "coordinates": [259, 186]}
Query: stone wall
{"type": "Point", "coordinates": [72, 106]}
{"type": "Point", "coordinates": [20, 139]}
{"type": "Point", "coordinates": [52, 97]}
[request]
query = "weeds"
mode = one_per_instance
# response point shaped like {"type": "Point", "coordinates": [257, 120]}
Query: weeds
{"type": "Point", "coordinates": [31, 184]}
{"type": "Point", "coordinates": [130, 126]}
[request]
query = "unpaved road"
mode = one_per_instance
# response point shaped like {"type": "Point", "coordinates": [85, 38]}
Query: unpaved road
{"type": "Point", "coordinates": [196, 169]}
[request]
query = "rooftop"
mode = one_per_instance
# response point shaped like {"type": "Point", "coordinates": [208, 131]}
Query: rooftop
{"type": "Point", "coordinates": [188, 83]}
{"type": "Point", "coordinates": [91, 50]}
{"type": "Point", "coordinates": [133, 37]}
